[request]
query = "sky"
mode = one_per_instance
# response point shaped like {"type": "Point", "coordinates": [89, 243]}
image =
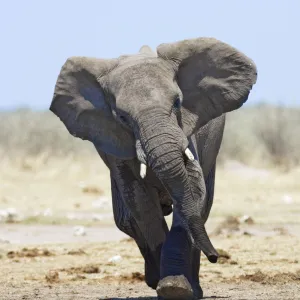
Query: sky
{"type": "Point", "coordinates": [38, 36]}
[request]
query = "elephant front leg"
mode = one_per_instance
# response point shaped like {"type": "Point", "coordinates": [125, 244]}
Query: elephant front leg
{"type": "Point", "coordinates": [149, 248]}
{"type": "Point", "coordinates": [176, 272]}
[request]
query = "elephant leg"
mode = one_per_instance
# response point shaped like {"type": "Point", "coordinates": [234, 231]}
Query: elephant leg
{"type": "Point", "coordinates": [176, 270]}
{"type": "Point", "coordinates": [210, 188]}
{"type": "Point", "coordinates": [195, 265]}
{"type": "Point", "coordinates": [196, 254]}
{"type": "Point", "coordinates": [127, 224]}
{"type": "Point", "coordinates": [137, 212]}
{"type": "Point", "coordinates": [180, 261]}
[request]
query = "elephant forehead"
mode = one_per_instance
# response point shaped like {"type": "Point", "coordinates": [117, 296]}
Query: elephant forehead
{"type": "Point", "coordinates": [133, 72]}
{"type": "Point", "coordinates": [142, 81]}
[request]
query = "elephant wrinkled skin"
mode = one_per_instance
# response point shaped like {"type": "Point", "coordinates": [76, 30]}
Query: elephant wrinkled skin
{"type": "Point", "coordinates": [157, 120]}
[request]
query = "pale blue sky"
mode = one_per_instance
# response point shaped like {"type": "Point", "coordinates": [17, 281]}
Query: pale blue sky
{"type": "Point", "coordinates": [38, 36]}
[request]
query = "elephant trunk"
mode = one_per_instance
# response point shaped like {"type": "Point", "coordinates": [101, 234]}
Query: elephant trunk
{"type": "Point", "coordinates": [164, 144]}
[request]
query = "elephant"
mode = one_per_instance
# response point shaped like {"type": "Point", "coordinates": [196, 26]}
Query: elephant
{"type": "Point", "coordinates": [156, 118]}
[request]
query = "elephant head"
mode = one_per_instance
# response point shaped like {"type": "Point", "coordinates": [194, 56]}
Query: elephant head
{"type": "Point", "coordinates": [147, 106]}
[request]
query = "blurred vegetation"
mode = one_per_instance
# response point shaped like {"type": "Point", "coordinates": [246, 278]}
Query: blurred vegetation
{"type": "Point", "coordinates": [261, 136]}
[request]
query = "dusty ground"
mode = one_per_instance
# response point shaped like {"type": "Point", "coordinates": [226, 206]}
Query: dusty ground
{"type": "Point", "coordinates": [251, 268]}
{"type": "Point", "coordinates": [70, 191]}
{"type": "Point", "coordinates": [262, 259]}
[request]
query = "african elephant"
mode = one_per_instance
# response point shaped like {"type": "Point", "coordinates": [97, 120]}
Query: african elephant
{"type": "Point", "coordinates": [157, 119]}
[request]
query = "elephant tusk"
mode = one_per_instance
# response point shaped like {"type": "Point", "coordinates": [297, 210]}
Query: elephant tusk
{"type": "Point", "coordinates": [189, 154]}
{"type": "Point", "coordinates": [143, 170]}
{"type": "Point", "coordinates": [141, 157]}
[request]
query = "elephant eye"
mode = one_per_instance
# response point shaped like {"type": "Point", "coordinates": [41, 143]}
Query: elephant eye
{"type": "Point", "coordinates": [177, 103]}
{"type": "Point", "coordinates": [124, 120]}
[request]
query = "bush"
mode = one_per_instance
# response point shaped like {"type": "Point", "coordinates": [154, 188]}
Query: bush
{"type": "Point", "coordinates": [26, 133]}
{"type": "Point", "coordinates": [263, 136]}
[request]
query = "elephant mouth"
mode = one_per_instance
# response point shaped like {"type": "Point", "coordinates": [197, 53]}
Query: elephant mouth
{"type": "Point", "coordinates": [165, 198]}
{"type": "Point", "coordinates": [166, 202]}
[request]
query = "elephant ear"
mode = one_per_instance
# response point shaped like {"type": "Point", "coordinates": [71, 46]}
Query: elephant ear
{"type": "Point", "coordinates": [214, 78]}
{"type": "Point", "coordinates": [79, 101]}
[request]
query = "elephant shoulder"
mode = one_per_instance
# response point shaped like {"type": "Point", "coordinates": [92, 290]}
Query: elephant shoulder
{"type": "Point", "coordinates": [208, 141]}
{"type": "Point", "coordinates": [210, 132]}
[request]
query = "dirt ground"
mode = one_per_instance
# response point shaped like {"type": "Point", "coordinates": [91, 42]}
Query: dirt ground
{"type": "Point", "coordinates": [254, 221]}
{"type": "Point", "coordinates": [250, 267]}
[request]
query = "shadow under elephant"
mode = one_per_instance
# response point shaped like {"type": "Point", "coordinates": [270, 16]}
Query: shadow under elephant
{"type": "Point", "coordinates": [155, 298]}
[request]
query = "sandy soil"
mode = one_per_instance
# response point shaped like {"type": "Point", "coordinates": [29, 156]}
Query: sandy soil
{"type": "Point", "coordinates": [66, 192]}
{"type": "Point", "coordinates": [40, 260]}
{"type": "Point", "coordinates": [251, 267]}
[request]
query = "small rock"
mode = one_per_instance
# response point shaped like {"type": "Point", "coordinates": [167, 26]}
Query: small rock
{"type": "Point", "coordinates": [79, 231]}
{"type": "Point", "coordinates": [115, 259]}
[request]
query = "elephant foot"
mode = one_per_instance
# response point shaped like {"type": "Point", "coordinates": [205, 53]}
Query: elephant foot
{"type": "Point", "coordinates": [175, 288]}
{"type": "Point", "coordinates": [152, 271]}
{"type": "Point", "coordinates": [198, 292]}
{"type": "Point", "coordinates": [151, 277]}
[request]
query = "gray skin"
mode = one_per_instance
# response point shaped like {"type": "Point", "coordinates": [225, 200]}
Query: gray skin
{"type": "Point", "coordinates": [148, 109]}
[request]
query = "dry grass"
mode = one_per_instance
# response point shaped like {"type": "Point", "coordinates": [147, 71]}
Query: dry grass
{"type": "Point", "coordinates": [33, 135]}
{"type": "Point", "coordinates": [263, 135]}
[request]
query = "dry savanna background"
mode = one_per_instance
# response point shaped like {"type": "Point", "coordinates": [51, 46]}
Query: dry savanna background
{"type": "Point", "coordinates": [57, 233]}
